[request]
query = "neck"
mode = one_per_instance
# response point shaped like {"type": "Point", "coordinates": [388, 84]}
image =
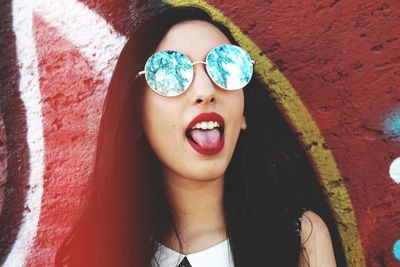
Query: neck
{"type": "Point", "coordinates": [197, 209]}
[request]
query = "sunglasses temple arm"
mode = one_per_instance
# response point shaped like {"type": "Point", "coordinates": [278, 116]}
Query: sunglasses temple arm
{"type": "Point", "coordinates": [140, 73]}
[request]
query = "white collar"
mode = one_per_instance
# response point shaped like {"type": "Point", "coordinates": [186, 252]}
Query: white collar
{"type": "Point", "coordinates": [218, 255]}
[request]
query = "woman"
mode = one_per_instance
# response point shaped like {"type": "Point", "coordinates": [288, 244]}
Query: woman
{"type": "Point", "coordinates": [187, 165]}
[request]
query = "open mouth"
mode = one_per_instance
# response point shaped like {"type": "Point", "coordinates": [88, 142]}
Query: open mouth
{"type": "Point", "coordinates": [206, 133]}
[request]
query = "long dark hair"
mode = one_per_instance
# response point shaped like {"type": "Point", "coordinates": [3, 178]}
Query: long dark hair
{"type": "Point", "coordinates": [267, 180]}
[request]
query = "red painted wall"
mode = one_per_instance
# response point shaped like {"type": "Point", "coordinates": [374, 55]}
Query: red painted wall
{"type": "Point", "coordinates": [341, 57]}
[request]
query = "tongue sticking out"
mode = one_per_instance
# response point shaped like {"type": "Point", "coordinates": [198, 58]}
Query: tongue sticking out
{"type": "Point", "coordinates": [206, 139]}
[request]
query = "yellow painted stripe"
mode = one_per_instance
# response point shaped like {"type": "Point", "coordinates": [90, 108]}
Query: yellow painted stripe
{"type": "Point", "coordinates": [301, 120]}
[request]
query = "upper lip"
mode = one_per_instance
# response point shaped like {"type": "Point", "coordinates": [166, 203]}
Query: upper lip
{"type": "Point", "coordinates": [212, 116]}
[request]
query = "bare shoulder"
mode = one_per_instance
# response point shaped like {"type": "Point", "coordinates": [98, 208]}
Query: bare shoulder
{"type": "Point", "coordinates": [312, 226]}
{"type": "Point", "coordinates": [316, 241]}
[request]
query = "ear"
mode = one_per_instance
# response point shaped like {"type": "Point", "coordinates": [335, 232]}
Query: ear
{"type": "Point", "coordinates": [243, 126]}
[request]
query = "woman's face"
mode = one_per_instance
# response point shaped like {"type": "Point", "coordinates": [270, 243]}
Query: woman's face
{"type": "Point", "coordinates": [193, 154]}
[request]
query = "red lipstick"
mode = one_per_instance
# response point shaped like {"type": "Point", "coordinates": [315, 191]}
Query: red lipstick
{"type": "Point", "coordinates": [207, 117]}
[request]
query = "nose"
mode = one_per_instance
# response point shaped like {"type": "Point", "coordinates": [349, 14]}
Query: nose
{"type": "Point", "coordinates": [203, 88]}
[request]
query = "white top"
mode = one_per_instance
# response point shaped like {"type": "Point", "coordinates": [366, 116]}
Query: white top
{"type": "Point", "coordinates": [218, 255]}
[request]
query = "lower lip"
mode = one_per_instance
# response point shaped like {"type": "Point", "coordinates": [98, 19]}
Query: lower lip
{"type": "Point", "coordinates": [214, 151]}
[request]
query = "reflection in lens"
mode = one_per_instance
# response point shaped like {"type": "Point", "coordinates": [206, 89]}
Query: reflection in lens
{"type": "Point", "coordinates": [169, 73]}
{"type": "Point", "coordinates": [229, 66]}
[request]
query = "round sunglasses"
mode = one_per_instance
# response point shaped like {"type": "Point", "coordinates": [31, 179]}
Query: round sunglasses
{"type": "Point", "coordinates": [170, 73]}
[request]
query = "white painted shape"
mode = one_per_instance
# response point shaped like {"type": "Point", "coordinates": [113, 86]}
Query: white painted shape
{"type": "Point", "coordinates": [98, 42]}
{"type": "Point", "coordinates": [31, 98]}
{"type": "Point", "coordinates": [92, 34]}
{"type": "Point", "coordinates": [394, 170]}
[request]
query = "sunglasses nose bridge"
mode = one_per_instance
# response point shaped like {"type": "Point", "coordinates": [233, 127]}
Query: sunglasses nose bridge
{"type": "Point", "coordinates": [199, 62]}
{"type": "Point", "coordinates": [202, 86]}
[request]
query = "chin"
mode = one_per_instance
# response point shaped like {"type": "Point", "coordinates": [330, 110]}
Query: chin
{"type": "Point", "coordinates": [207, 173]}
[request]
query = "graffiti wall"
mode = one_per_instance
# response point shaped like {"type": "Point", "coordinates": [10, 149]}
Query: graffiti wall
{"type": "Point", "coordinates": [334, 67]}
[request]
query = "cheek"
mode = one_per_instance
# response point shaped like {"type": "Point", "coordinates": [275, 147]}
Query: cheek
{"type": "Point", "coordinates": [237, 116]}
{"type": "Point", "coordinates": [237, 101]}
{"type": "Point", "coordinates": [152, 115]}
{"type": "Point", "coordinates": [159, 121]}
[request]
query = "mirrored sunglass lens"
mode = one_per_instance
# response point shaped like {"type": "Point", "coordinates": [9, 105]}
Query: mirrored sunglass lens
{"type": "Point", "coordinates": [229, 66]}
{"type": "Point", "coordinates": [169, 73]}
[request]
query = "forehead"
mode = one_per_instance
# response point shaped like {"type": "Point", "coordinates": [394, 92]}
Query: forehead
{"type": "Point", "coordinates": [194, 38]}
